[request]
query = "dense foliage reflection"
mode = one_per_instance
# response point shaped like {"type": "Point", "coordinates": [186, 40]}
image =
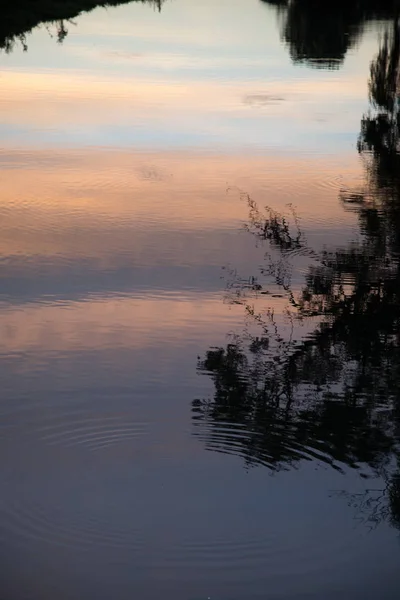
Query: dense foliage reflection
{"type": "Point", "coordinates": [320, 33]}
{"type": "Point", "coordinates": [334, 395]}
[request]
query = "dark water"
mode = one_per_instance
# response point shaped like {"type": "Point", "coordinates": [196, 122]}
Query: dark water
{"type": "Point", "coordinates": [200, 301]}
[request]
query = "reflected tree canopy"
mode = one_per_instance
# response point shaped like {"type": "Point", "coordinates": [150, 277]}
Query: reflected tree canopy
{"type": "Point", "coordinates": [320, 33]}
{"type": "Point", "coordinates": [282, 397]}
{"type": "Point", "coordinates": [21, 16]}
{"type": "Point", "coordinates": [317, 33]}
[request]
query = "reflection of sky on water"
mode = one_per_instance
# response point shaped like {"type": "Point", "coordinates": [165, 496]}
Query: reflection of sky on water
{"type": "Point", "coordinates": [76, 224]}
{"type": "Point", "coordinates": [112, 287]}
{"type": "Point", "coordinates": [179, 79]}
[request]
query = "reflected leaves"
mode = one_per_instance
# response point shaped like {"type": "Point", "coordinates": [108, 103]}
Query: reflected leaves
{"type": "Point", "coordinates": [332, 396]}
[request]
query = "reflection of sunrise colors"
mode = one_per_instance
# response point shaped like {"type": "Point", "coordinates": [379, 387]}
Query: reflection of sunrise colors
{"type": "Point", "coordinates": [128, 196]}
{"type": "Point", "coordinates": [198, 273]}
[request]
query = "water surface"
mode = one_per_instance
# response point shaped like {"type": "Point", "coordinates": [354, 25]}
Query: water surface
{"type": "Point", "coordinates": [200, 302]}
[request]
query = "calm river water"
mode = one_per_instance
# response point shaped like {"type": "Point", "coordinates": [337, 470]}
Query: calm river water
{"type": "Point", "coordinates": [200, 303]}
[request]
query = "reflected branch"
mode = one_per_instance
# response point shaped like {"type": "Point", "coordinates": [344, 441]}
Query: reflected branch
{"type": "Point", "coordinates": [331, 395]}
{"type": "Point", "coordinates": [22, 16]}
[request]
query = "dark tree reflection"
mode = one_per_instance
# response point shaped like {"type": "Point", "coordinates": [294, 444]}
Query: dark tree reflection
{"type": "Point", "coordinates": [21, 16]}
{"type": "Point", "coordinates": [333, 395]}
{"type": "Point", "coordinates": [320, 33]}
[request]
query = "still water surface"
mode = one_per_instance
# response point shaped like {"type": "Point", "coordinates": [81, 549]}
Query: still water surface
{"type": "Point", "coordinates": [200, 315]}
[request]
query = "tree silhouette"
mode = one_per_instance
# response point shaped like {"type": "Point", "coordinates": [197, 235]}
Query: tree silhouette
{"type": "Point", "coordinates": [21, 16]}
{"type": "Point", "coordinates": [334, 395]}
{"type": "Point", "coordinates": [320, 33]}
